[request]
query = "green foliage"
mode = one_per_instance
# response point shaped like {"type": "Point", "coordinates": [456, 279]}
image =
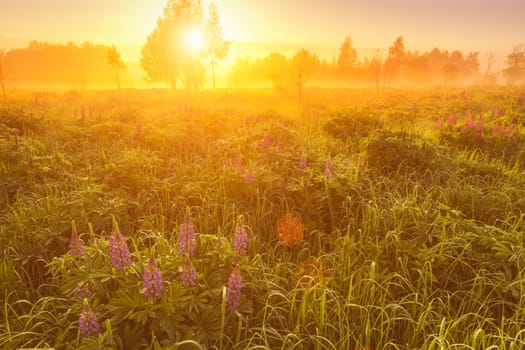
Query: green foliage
{"type": "Point", "coordinates": [351, 125]}
{"type": "Point", "coordinates": [412, 239]}
{"type": "Point", "coordinates": [399, 151]}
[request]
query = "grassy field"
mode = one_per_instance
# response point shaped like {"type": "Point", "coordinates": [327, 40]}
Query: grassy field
{"type": "Point", "coordinates": [237, 220]}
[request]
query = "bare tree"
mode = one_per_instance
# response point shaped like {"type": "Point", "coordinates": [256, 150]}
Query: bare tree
{"type": "Point", "coordinates": [376, 66]}
{"type": "Point", "coordinates": [116, 64]}
{"type": "Point", "coordinates": [491, 59]}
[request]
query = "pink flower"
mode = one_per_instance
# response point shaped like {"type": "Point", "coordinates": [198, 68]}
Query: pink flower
{"type": "Point", "coordinates": [76, 247]}
{"type": "Point", "coordinates": [469, 122]}
{"type": "Point", "coordinates": [87, 322]}
{"type": "Point", "coordinates": [240, 239]}
{"type": "Point", "coordinates": [439, 124]}
{"type": "Point", "coordinates": [452, 120]}
{"type": "Point", "coordinates": [152, 281]}
{"type": "Point", "coordinates": [118, 249]}
{"type": "Point", "coordinates": [189, 274]}
{"type": "Point", "coordinates": [480, 126]}
{"type": "Point", "coordinates": [233, 290]}
{"type": "Point", "coordinates": [303, 163]}
{"type": "Point", "coordinates": [82, 291]}
{"type": "Point", "coordinates": [187, 235]}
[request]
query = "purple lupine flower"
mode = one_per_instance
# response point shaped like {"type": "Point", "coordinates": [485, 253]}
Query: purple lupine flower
{"type": "Point", "coordinates": [303, 163]}
{"type": "Point", "coordinates": [250, 178]}
{"type": "Point", "coordinates": [328, 168]}
{"type": "Point", "coordinates": [189, 274]}
{"type": "Point", "coordinates": [118, 249]}
{"type": "Point", "coordinates": [240, 239]}
{"type": "Point", "coordinates": [76, 246]}
{"type": "Point", "coordinates": [233, 290]}
{"type": "Point", "coordinates": [87, 322]}
{"type": "Point", "coordinates": [187, 236]}
{"type": "Point", "coordinates": [83, 291]}
{"type": "Point", "coordinates": [152, 281]}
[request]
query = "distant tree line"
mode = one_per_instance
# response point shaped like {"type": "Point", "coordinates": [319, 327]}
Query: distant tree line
{"type": "Point", "coordinates": [58, 65]}
{"type": "Point", "coordinates": [398, 67]}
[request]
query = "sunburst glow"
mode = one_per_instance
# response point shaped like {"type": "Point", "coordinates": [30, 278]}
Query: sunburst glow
{"type": "Point", "coordinates": [195, 39]}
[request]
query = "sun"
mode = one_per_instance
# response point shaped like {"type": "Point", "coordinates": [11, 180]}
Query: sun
{"type": "Point", "coordinates": [195, 39]}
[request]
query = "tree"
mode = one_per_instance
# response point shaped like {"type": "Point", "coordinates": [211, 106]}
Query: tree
{"type": "Point", "coordinates": [274, 67]}
{"type": "Point", "coordinates": [166, 57]}
{"type": "Point", "coordinates": [396, 56]}
{"type": "Point", "coordinates": [116, 64]}
{"type": "Point", "coordinates": [3, 70]}
{"type": "Point", "coordinates": [347, 57]}
{"type": "Point", "coordinates": [241, 72]}
{"type": "Point", "coordinates": [515, 71]}
{"type": "Point", "coordinates": [376, 65]}
{"type": "Point", "coordinates": [491, 59]}
{"type": "Point", "coordinates": [218, 47]}
{"type": "Point", "coordinates": [302, 66]}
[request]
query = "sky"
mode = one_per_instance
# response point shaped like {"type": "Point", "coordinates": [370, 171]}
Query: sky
{"type": "Point", "coordinates": [466, 25]}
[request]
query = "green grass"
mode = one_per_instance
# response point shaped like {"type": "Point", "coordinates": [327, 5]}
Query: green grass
{"type": "Point", "coordinates": [415, 241]}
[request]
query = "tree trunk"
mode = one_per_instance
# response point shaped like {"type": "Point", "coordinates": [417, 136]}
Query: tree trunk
{"type": "Point", "coordinates": [213, 73]}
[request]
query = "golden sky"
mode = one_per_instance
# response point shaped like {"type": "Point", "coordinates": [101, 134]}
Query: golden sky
{"type": "Point", "coordinates": [448, 24]}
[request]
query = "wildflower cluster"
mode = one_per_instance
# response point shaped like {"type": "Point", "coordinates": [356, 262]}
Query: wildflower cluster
{"type": "Point", "coordinates": [87, 322]}
{"type": "Point", "coordinates": [189, 274]}
{"type": "Point", "coordinates": [152, 281]}
{"type": "Point", "coordinates": [187, 236]}
{"type": "Point", "coordinates": [240, 239]}
{"type": "Point", "coordinates": [118, 250]}
{"type": "Point", "coordinates": [233, 291]}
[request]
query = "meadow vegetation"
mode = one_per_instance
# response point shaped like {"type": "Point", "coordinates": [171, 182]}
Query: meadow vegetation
{"type": "Point", "coordinates": [236, 220]}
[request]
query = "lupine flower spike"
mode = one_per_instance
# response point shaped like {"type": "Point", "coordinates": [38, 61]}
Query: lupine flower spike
{"type": "Point", "coordinates": [82, 291]}
{"type": "Point", "coordinates": [87, 322]}
{"type": "Point", "coordinates": [240, 238]}
{"type": "Point", "coordinates": [187, 235]}
{"type": "Point", "coordinates": [118, 249]}
{"type": "Point", "coordinates": [76, 247]}
{"type": "Point", "coordinates": [152, 281]}
{"type": "Point", "coordinates": [189, 274]}
{"type": "Point", "coordinates": [233, 290]}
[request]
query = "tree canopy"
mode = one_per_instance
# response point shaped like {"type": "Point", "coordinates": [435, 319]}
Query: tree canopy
{"type": "Point", "coordinates": [166, 55]}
